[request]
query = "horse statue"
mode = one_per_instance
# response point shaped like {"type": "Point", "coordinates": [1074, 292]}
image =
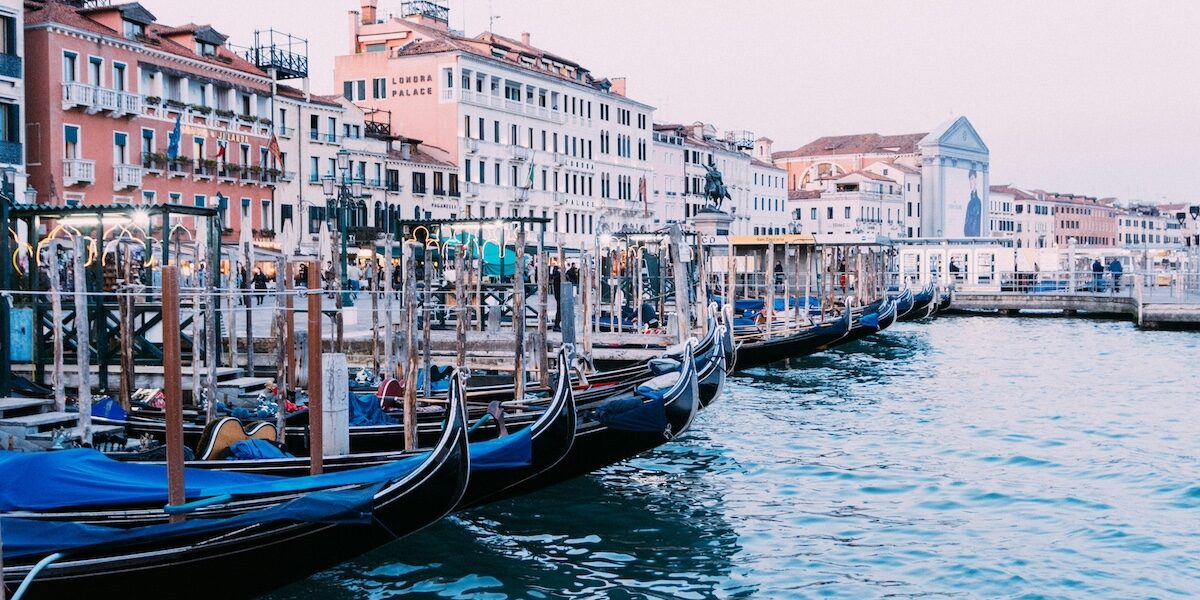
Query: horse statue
{"type": "Point", "coordinates": [714, 189]}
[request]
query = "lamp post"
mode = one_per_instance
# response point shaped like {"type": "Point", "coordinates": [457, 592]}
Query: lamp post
{"type": "Point", "coordinates": [340, 190]}
{"type": "Point", "coordinates": [6, 198]}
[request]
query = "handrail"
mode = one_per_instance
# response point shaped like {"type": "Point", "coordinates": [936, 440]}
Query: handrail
{"type": "Point", "coordinates": [41, 564]}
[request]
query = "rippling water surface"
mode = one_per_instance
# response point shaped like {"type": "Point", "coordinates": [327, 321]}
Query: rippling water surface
{"type": "Point", "coordinates": [969, 457]}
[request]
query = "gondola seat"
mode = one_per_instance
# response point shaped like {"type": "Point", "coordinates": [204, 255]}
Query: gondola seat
{"type": "Point", "coordinates": [660, 366]}
{"type": "Point", "coordinates": [657, 387]}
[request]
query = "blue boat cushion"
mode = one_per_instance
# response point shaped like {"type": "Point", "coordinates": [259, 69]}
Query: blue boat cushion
{"type": "Point", "coordinates": [659, 366]}
{"type": "Point", "coordinates": [657, 388]}
{"type": "Point", "coordinates": [253, 449]}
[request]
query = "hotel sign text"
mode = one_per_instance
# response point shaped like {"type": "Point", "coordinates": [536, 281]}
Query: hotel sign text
{"type": "Point", "coordinates": [410, 85]}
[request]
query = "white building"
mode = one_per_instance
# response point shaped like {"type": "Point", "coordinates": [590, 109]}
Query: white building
{"type": "Point", "coordinates": [1145, 226]}
{"type": "Point", "coordinates": [757, 189]}
{"type": "Point", "coordinates": [861, 203]}
{"type": "Point", "coordinates": [400, 176]}
{"type": "Point", "coordinates": [534, 133]}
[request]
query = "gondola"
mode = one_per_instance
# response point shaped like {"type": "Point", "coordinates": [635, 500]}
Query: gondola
{"type": "Point", "coordinates": [904, 302]}
{"type": "Point", "coordinates": [239, 548]}
{"type": "Point", "coordinates": [388, 437]}
{"type": "Point", "coordinates": [923, 305]}
{"type": "Point", "coordinates": [869, 320]}
{"type": "Point", "coordinates": [809, 340]}
{"type": "Point", "coordinates": [621, 427]}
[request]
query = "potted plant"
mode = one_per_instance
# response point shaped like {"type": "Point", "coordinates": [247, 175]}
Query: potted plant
{"type": "Point", "coordinates": [227, 114]}
{"type": "Point", "coordinates": [273, 172]}
{"type": "Point", "coordinates": [200, 108]}
{"type": "Point", "coordinates": [265, 232]}
{"type": "Point", "coordinates": [172, 103]}
{"type": "Point", "coordinates": [264, 121]}
{"type": "Point", "coordinates": [153, 100]}
{"type": "Point", "coordinates": [233, 169]}
{"type": "Point", "coordinates": [254, 170]}
{"type": "Point", "coordinates": [153, 160]}
{"type": "Point", "coordinates": [246, 118]}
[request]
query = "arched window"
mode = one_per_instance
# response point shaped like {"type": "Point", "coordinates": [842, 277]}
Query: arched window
{"type": "Point", "coordinates": [379, 214]}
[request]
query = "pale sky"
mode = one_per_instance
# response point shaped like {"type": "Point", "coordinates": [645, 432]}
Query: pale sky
{"type": "Point", "coordinates": [1094, 97]}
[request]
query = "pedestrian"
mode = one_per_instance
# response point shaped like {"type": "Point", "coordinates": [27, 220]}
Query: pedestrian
{"type": "Point", "coordinates": [778, 274]}
{"type": "Point", "coordinates": [1097, 275]}
{"type": "Point", "coordinates": [352, 278]}
{"type": "Point", "coordinates": [259, 280]}
{"type": "Point", "coordinates": [556, 289]}
{"type": "Point", "coordinates": [573, 274]}
{"type": "Point", "coordinates": [1117, 270]}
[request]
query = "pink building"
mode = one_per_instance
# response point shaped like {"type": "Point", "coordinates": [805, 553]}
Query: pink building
{"type": "Point", "coordinates": [106, 86]}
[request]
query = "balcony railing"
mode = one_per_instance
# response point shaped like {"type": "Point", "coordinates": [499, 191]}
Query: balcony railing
{"type": "Point", "coordinates": [470, 188]}
{"type": "Point", "coordinates": [560, 198]}
{"type": "Point", "coordinates": [519, 153]}
{"type": "Point", "coordinates": [10, 66]}
{"type": "Point", "coordinates": [95, 99]}
{"type": "Point", "coordinates": [394, 187]}
{"type": "Point", "coordinates": [126, 176]}
{"type": "Point", "coordinates": [471, 145]}
{"type": "Point", "coordinates": [418, 190]}
{"type": "Point", "coordinates": [76, 171]}
{"type": "Point", "coordinates": [520, 194]}
{"type": "Point", "coordinates": [10, 153]}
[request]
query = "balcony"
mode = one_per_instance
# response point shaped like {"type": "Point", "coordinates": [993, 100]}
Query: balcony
{"type": "Point", "coordinates": [94, 99]}
{"type": "Point", "coordinates": [10, 66]}
{"type": "Point", "coordinates": [77, 171]}
{"type": "Point", "coordinates": [560, 198]}
{"type": "Point", "coordinates": [126, 176]}
{"type": "Point", "coordinates": [470, 189]}
{"type": "Point", "coordinates": [179, 167]}
{"type": "Point", "coordinates": [418, 190]}
{"type": "Point", "coordinates": [560, 159]}
{"type": "Point", "coordinates": [471, 145]}
{"type": "Point", "coordinates": [10, 153]}
{"type": "Point", "coordinates": [520, 194]}
{"type": "Point", "coordinates": [518, 153]}
{"type": "Point", "coordinates": [394, 187]}
{"type": "Point", "coordinates": [204, 172]}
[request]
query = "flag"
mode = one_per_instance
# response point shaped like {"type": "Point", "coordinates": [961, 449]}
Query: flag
{"type": "Point", "coordinates": [529, 184]}
{"type": "Point", "coordinates": [276, 153]}
{"type": "Point", "coordinates": [221, 144]}
{"type": "Point", "coordinates": [173, 140]}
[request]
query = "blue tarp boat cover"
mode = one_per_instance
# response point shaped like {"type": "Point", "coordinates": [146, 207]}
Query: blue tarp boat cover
{"type": "Point", "coordinates": [255, 449]}
{"type": "Point", "coordinates": [365, 410]}
{"type": "Point", "coordinates": [508, 452]}
{"type": "Point", "coordinates": [30, 537]}
{"type": "Point", "coordinates": [87, 478]}
{"type": "Point", "coordinates": [633, 414]}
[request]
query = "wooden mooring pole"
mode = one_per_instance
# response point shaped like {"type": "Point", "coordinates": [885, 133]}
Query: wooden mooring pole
{"type": "Point", "coordinates": [173, 387]}
{"type": "Point", "coordinates": [410, 348]}
{"type": "Point", "coordinates": [316, 387]}
{"type": "Point", "coordinates": [60, 392]}
{"type": "Point", "coordinates": [83, 343]}
{"type": "Point", "coordinates": [519, 316]}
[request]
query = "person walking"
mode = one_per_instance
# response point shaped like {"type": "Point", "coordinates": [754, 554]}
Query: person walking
{"type": "Point", "coordinates": [259, 280]}
{"type": "Point", "coordinates": [556, 289]}
{"type": "Point", "coordinates": [1117, 270]}
{"type": "Point", "coordinates": [1097, 275]}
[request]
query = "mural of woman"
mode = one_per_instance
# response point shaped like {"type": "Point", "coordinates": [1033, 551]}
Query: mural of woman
{"type": "Point", "coordinates": [972, 223]}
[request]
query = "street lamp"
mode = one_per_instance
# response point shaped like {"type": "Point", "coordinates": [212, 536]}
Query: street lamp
{"type": "Point", "coordinates": [340, 191]}
{"type": "Point", "coordinates": [6, 198]}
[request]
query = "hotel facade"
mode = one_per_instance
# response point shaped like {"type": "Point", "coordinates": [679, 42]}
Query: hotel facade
{"type": "Point", "coordinates": [532, 133]}
{"type": "Point", "coordinates": [108, 87]}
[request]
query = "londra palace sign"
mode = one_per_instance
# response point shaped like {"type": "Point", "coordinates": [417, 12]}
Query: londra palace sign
{"type": "Point", "coordinates": [409, 80]}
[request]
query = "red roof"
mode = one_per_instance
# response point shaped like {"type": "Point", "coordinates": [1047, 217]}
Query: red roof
{"type": "Point", "coordinates": [803, 194]}
{"type": "Point", "coordinates": [1018, 193]}
{"type": "Point", "coordinates": [863, 143]}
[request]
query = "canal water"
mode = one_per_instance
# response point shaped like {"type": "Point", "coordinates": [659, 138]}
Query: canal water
{"type": "Point", "coordinates": [968, 456]}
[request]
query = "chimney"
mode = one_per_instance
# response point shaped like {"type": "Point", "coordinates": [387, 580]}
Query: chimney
{"type": "Point", "coordinates": [369, 8]}
{"type": "Point", "coordinates": [618, 86]}
{"type": "Point", "coordinates": [525, 38]}
{"type": "Point", "coordinates": [406, 151]}
{"type": "Point", "coordinates": [353, 27]}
